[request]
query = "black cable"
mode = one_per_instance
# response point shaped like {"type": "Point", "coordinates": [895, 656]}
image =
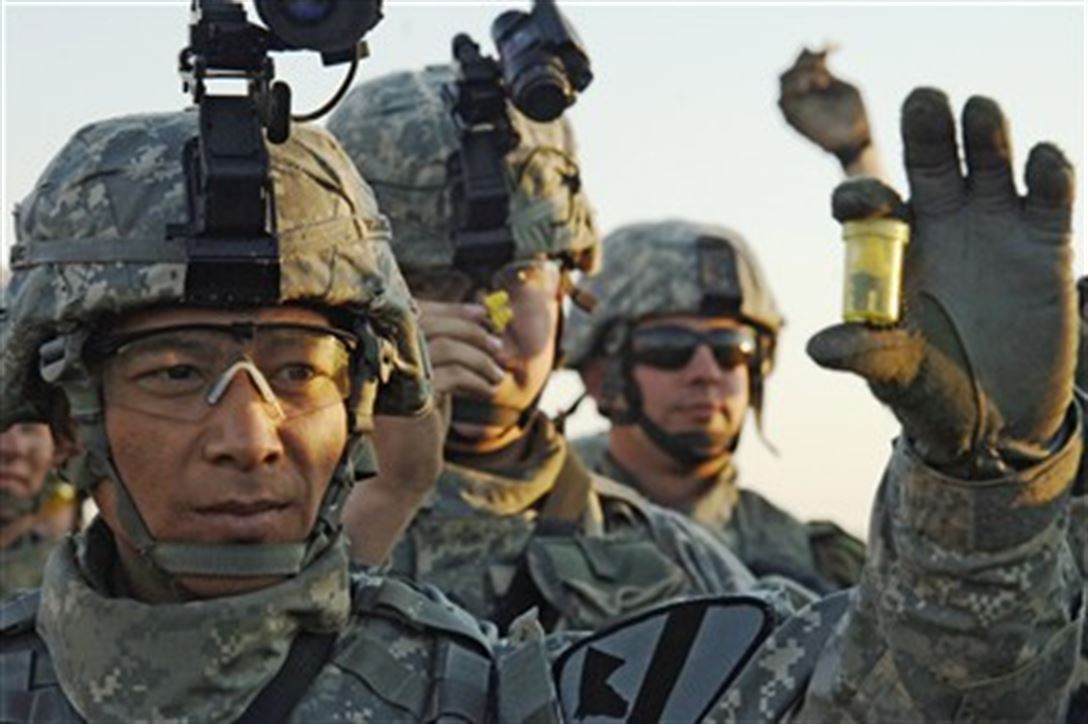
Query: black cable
{"type": "Point", "coordinates": [331, 103]}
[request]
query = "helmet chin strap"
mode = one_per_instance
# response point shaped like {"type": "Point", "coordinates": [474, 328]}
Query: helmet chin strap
{"type": "Point", "coordinates": [689, 449]}
{"type": "Point", "coordinates": [229, 560]}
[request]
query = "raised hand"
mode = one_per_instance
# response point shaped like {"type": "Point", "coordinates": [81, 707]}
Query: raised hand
{"type": "Point", "coordinates": [980, 369]}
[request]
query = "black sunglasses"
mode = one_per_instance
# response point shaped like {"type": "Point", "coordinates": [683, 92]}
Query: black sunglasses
{"type": "Point", "coordinates": [671, 347]}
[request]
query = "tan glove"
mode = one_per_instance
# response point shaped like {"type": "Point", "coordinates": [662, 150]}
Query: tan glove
{"type": "Point", "coordinates": [980, 370]}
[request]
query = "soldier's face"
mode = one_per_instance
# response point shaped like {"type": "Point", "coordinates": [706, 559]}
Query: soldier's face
{"type": "Point", "coordinates": [26, 454]}
{"type": "Point", "coordinates": [243, 471]}
{"type": "Point", "coordinates": [700, 395]}
{"type": "Point", "coordinates": [524, 354]}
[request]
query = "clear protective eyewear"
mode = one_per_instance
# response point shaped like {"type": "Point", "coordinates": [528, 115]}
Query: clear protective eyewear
{"type": "Point", "coordinates": [526, 282]}
{"type": "Point", "coordinates": [523, 292]}
{"type": "Point", "coordinates": [181, 372]}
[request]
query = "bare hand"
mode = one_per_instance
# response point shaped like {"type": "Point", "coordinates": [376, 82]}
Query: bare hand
{"type": "Point", "coordinates": [465, 355]}
{"type": "Point", "coordinates": [409, 451]}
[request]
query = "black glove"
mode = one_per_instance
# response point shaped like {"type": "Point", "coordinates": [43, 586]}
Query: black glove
{"type": "Point", "coordinates": [980, 369]}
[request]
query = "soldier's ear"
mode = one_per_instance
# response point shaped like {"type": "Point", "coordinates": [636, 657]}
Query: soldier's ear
{"type": "Point", "coordinates": [63, 428]}
{"type": "Point", "coordinates": [592, 373]}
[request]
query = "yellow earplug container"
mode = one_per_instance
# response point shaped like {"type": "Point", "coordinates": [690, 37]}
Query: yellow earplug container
{"type": "Point", "coordinates": [873, 283]}
{"type": "Point", "coordinates": [499, 312]}
{"type": "Point", "coordinates": [62, 495]}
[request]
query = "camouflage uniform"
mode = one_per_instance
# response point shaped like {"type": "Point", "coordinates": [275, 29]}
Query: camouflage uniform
{"type": "Point", "coordinates": [819, 554]}
{"type": "Point", "coordinates": [938, 627]}
{"type": "Point", "coordinates": [660, 268]}
{"type": "Point", "coordinates": [479, 532]}
{"type": "Point", "coordinates": [1078, 530]}
{"type": "Point", "coordinates": [83, 647]}
{"type": "Point", "coordinates": [480, 527]}
{"type": "Point", "coordinates": [969, 609]}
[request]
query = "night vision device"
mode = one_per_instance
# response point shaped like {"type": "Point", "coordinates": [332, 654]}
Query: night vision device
{"type": "Point", "coordinates": [542, 65]}
{"type": "Point", "coordinates": [230, 236]}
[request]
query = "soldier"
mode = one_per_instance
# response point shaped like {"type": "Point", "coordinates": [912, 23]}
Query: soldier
{"type": "Point", "coordinates": [980, 434]}
{"type": "Point", "coordinates": [675, 353]}
{"type": "Point", "coordinates": [220, 444]}
{"type": "Point", "coordinates": [970, 607]}
{"type": "Point", "coordinates": [516, 520]}
{"type": "Point", "coordinates": [37, 506]}
{"type": "Point", "coordinates": [831, 113]}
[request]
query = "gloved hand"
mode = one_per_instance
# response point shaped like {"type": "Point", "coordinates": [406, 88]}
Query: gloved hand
{"type": "Point", "coordinates": [824, 109]}
{"type": "Point", "coordinates": [980, 369]}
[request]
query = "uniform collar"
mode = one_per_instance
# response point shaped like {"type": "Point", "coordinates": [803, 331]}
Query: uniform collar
{"type": "Point", "coordinates": [713, 507]}
{"type": "Point", "coordinates": [119, 659]}
{"type": "Point", "coordinates": [506, 482]}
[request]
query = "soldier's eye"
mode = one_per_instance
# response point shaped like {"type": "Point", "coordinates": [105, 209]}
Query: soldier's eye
{"type": "Point", "coordinates": [173, 379]}
{"type": "Point", "coordinates": [294, 375]}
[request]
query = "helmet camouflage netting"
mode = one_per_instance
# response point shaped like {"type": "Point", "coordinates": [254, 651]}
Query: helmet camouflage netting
{"type": "Point", "coordinates": [91, 241]}
{"type": "Point", "coordinates": [398, 131]}
{"type": "Point", "coordinates": [670, 267]}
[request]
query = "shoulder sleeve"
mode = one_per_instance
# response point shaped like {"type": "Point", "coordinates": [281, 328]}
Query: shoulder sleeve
{"type": "Point", "coordinates": [970, 606]}
{"type": "Point", "coordinates": [418, 652]}
{"type": "Point", "coordinates": [419, 606]}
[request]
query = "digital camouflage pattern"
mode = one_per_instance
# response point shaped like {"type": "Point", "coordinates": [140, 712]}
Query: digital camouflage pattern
{"type": "Point", "coordinates": [116, 659]}
{"type": "Point", "coordinates": [770, 541]}
{"type": "Point", "coordinates": [654, 269]}
{"type": "Point", "coordinates": [480, 525]}
{"type": "Point", "coordinates": [398, 131]}
{"type": "Point", "coordinates": [968, 610]}
{"type": "Point", "coordinates": [91, 241]}
{"type": "Point", "coordinates": [480, 528]}
{"type": "Point", "coordinates": [937, 630]}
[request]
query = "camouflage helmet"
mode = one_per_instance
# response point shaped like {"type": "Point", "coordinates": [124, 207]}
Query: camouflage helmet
{"type": "Point", "coordinates": [91, 242]}
{"type": "Point", "coordinates": [94, 241]}
{"type": "Point", "coordinates": [671, 267]}
{"type": "Point", "coordinates": [398, 131]}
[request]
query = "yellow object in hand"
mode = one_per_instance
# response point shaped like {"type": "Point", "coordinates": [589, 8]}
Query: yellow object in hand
{"type": "Point", "coordinates": [872, 289]}
{"type": "Point", "coordinates": [498, 310]}
{"type": "Point", "coordinates": [60, 496]}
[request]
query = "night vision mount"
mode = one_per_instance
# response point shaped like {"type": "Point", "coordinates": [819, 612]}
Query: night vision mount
{"type": "Point", "coordinates": [541, 68]}
{"type": "Point", "coordinates": [231, 245]}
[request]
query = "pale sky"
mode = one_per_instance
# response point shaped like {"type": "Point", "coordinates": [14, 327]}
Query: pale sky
{"type": "Point", "coordinates": [680, 121]}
